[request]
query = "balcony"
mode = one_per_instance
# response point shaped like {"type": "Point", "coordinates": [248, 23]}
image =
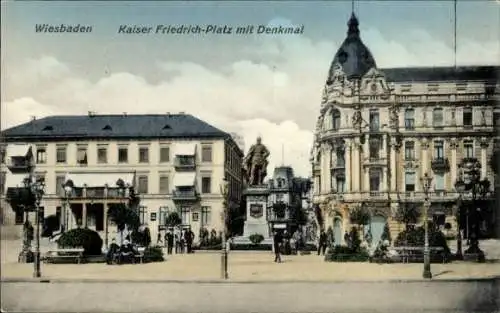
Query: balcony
{"type": "Point", "coordinates": [188, 194]}
{"type": "Point", "coordinates": [185, 163]}
{"type": "Point", "coordinates": [273, 216]}
{"type": "Point", "coordinates": [440, 164]}
{"type": "Point", "coordinates": [19, 164]}
{"type": "Point", "coordinates": [95, 193]}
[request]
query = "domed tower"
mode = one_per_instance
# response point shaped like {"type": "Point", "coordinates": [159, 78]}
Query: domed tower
{"type": "Point", "coordinates": [349, 144]}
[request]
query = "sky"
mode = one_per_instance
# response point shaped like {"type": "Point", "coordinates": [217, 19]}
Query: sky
{"type": "Point", "coordinates": [251, 84]}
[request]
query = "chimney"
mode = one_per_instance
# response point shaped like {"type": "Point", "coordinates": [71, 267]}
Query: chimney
{"type": "Point", "coordinates": [91, 113]}
{"type": "Point", "coordinates": [33, 118]}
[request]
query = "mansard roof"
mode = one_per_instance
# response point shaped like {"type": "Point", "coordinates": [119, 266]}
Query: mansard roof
{"type": "Point", "coordinates": [449, 74]}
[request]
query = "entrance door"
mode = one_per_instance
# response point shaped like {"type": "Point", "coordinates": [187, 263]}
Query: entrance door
{"type": "Point", "coordinates": [377, 225]}
{"type": "Point", "coordinates": [337, 231]}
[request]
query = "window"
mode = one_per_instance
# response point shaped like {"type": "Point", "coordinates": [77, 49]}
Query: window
{"type": "Point", "coordinates": [40, 176]}
{"type": "Point", "coordinates": [439, 149]}
{"type": "Point", "coordinates": [496, 119]}
{"type": "Point", "coordinates": [142, 214]}
{"type": "Point", "coordinates": [81, 154]}
{"type": "Point", "coordinates": [409, 150]}
{"type": "Point", "coordinates": [340, 158]}
{"type": "Point", "coordinates": [437, 117]}
{"type": "Point", "coordinates": [410, 119]}
{"type": "Point", "coordinates": [142, 184]}
{"type": "Point", "coordinates": [195, 216]}
{"type": "Point", "coordinates": [340, 182]}
{"type": "Point", "coordinates": [102, 154]}
{"type": "Point", "coordinates": [143, 154]}
{"type": "Point", "coordinates": [374, 180]}
{"type": "Point", "coordinates": [3, 175]}
{"type": "Point", "coordinates": [162, 218]}
{"type": "Point", "coordinates": [205, 215]}
{"type": "Point", "coordinates": [41, 155]}
{"type": "Point", "coordinates": [374, 148]}
{"type": "Point", "coordinates": [61, 154]}
{"type": "Point", "coordinates": [2, 154]}
{"type": "Point", "coordinates": [164, 184]}
{"type": "Point", "coordinates": [164, 154]}
{"type": "Point", "coordinates": [467, 117]}
{"type": "Point", "coordinates": [206, 154]}
{"type": "Point", "coordinates": [374, 120]}
{"type": "Point", "coordinates": [335, 120]}
{"type": "Point", "coordinates": [60, 180]}
{"type": "Point", "coordinates": [410, 181]}
{"type": "Point", "coordinates": [438, 181]}
{"type": "Point", "coordinates": [185, 216]}
{"type": "Point", "coordinates": [19, 219]}
{"type": "Point", "coordinates": [468, 149]}
{"type": "Point", "coordinates": [123, 154]}
{"type": "Point", "coordinates": [206, 184]}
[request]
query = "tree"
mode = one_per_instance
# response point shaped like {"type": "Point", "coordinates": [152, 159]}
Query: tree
{"type": "Point", "coordinates": [495, 161]}
{"type": "Point", "coordinates": [360, 216]}
{"type": "Point", "coordinates": [386, 235]}
{"type": "Point", "coordinates": [408, 214]}
{"type": "Point", "coordinates": [319, 216]}
{"type": "Point", "coordinates": [123, 217]}
{"type": "Point", "coordinates": [173, 219]}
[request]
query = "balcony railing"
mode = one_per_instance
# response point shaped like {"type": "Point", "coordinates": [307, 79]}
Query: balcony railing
{"type": "Point", "coordinates": [188, 194]}
{"type": "Point", "coordinates": [272, 216]}
{"type": "Point", "coordinates": [19, 164]}
{"type": "Point", "coordinates": [440, 164]}
{"type": "Point", "coordinates": [185, 163]}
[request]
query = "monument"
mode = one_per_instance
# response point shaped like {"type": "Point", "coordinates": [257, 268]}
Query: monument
{"type": "Point", "coordinates": [256, 193]}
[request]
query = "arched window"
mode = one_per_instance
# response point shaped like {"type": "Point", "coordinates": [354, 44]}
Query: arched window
{"type": "Point", "coordinates": [335, 119]}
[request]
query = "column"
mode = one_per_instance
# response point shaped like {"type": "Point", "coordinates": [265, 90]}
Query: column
{"type": "Point", "coordinates": [355, 165]}
{"type": "Point", "coordinates": [384, 188]}
{"type": "Point", "coordinates": [366, 158]}
{"type": "Point", "coordinates": [348, 170]}
{"type": "Point", "coordinates": [484, 159]}
{"type": "Point", "coordinates": [328, 165]}
{"type": "Point", "coordinates": [384, 147]}
{"type": "Point", "coordinates": [425, 158]}
{"type": "Point", "coordinates": [393, 165]}
{"type": "Point", "coordinates": [453, 162]}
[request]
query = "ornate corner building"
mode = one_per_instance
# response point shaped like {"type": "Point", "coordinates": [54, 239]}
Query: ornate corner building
{"type": "Point", "coordinates": [380, 130]}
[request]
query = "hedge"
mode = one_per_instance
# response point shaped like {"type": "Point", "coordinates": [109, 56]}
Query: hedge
{"type": "Point", "coordinates": [84, 238]}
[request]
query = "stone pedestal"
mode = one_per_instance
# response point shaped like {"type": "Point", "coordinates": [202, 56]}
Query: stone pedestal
{"type": "Point", "coordinates": [256, 214]}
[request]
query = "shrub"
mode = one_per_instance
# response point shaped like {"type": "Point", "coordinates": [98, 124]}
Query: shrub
{"type": "Point", "coordinates": [347, 254]}
{"type": "Point", "coordinates": [153, 254]}
{"type": "Point", "coordinates": [85, 238]}
{"type": "Point", "coordinates": [386, 235]}
{"type": "Point", "coordinates": [416, 238]}
{"type": "Point", "coordinates": [256, 238]}
{"type": "Point", "coordinates": [142, 238]}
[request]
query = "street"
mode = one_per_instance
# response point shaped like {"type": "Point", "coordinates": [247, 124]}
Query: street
{"type": "Point", "coordinates": [442, 296]}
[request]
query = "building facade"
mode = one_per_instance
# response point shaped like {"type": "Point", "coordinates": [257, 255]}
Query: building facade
{"type": "Point", "coordinates": [380, 130]}
{"type": "Point", "coordinates": [172, 162]}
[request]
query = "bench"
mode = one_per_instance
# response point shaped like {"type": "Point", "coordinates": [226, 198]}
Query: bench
{"type": "Point", "coordinates": [70, 253]}
{"type": "Point", "coordinates": [406, 253]}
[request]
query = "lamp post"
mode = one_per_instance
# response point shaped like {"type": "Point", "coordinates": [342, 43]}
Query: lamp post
{"type": "Point", "coordinates": [426, 184]}
{"type": "Point", "coordinates": [38, 189]}
{"type": "Point", "coordinates": [460, 187]}
{"type": "Point", "coordinates": [68, 192]}
{"type": "Point", "coordinates": [472, 182]}
{"type": "Point", "coordinates": [224, 265]}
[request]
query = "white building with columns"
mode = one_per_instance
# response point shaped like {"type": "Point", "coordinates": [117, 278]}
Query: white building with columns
{"type": "Point", "coordinates": [173, 162]}
{"type": "Point", "coordinates": [380, 130]}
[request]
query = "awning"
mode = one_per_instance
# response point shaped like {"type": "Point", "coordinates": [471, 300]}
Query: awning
{"type": "Point", "coordinates": [15, 180]}
{"type": "Point", "coordinates": [185, 149]}
{"type": "Point", "coordinates": [184, 179]}
{"type": "Point", "coordinates": [17, 150]}
{"type": "Point", "coordinates": [100, 179]}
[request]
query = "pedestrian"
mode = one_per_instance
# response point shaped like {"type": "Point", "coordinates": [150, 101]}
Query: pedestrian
{"type": "Point", "coordinates": [277, 245]}
{"type": "Point", "coordinates": [170, 242]}
{"type": "Point", "coordinates": [177, 243]}
{"type": "Point", "coordinates": [159, 239]}
{"type": "Point", "coordinates": [298, 241]}
{"type": "Point", "coordinates": [322, 243]}
{"type": "Point", "coordinates": [188, 238]}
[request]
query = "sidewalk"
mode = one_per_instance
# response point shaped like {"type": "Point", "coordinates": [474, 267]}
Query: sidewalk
{"type": "Point", "coordinates": [245, 267]}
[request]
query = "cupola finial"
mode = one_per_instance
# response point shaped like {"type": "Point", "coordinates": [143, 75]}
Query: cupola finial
{"type": "Point", "coordinates": [353, 24]}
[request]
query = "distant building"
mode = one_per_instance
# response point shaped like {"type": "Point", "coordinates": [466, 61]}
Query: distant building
{"type": "Point", "coordinates": [290, 192]}
{"type": "Point", "coordinates": [174, 162]}
{"type": "Point", "coordinates": [380, 130]}
{"type": "Point", "coordinates": [240, 141]}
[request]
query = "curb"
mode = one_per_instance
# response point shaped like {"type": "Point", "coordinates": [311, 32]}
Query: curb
{"type": "Point", "coordinates": [229, 281]}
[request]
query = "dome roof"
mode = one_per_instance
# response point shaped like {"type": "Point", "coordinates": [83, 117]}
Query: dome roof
{"type": "Point", "coordinates": [353, 56]}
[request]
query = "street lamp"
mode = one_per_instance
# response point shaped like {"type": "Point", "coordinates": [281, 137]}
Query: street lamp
{"type": "Point", "coordinates": [471, 170]}
{"type": "Point", "coordinates": [68, 192]}
{"type": "Point", "coordinates": [38, 189]}
{"type": "Point", "coordinates": [426, 184]}
{"type": "Point", "coordinates": [460, 187]}
{"type": "Point", "coordinates": [224, 265]}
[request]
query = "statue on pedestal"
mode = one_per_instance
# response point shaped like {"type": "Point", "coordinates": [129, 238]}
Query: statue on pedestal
{"type": "Point", "coordinates": [255, 163]}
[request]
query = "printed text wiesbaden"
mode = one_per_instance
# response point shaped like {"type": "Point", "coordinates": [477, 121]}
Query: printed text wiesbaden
{"type": "Point", "coordinates": [62, 28]}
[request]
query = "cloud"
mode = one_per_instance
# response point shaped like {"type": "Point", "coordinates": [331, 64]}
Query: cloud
{"type": "Point", "coordinates": [277, 97]}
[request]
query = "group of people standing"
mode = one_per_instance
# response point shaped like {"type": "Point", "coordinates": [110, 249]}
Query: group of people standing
{"type": "Point", "coordinates": [286, 244]}
{"type": "Point", "coordinates": [180, 240]}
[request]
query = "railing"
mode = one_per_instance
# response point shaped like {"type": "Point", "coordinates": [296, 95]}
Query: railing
{"type": "Point", "coordinates": [97, 192]}
{"type": "Point", "coordinates": [440, 164]}
{"type": "Point", "coordinates": [185, 162]}
{"type": "Point", "coordinates": [184, 194]}
{"type": "Point", "coordinates": [272, 216]}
